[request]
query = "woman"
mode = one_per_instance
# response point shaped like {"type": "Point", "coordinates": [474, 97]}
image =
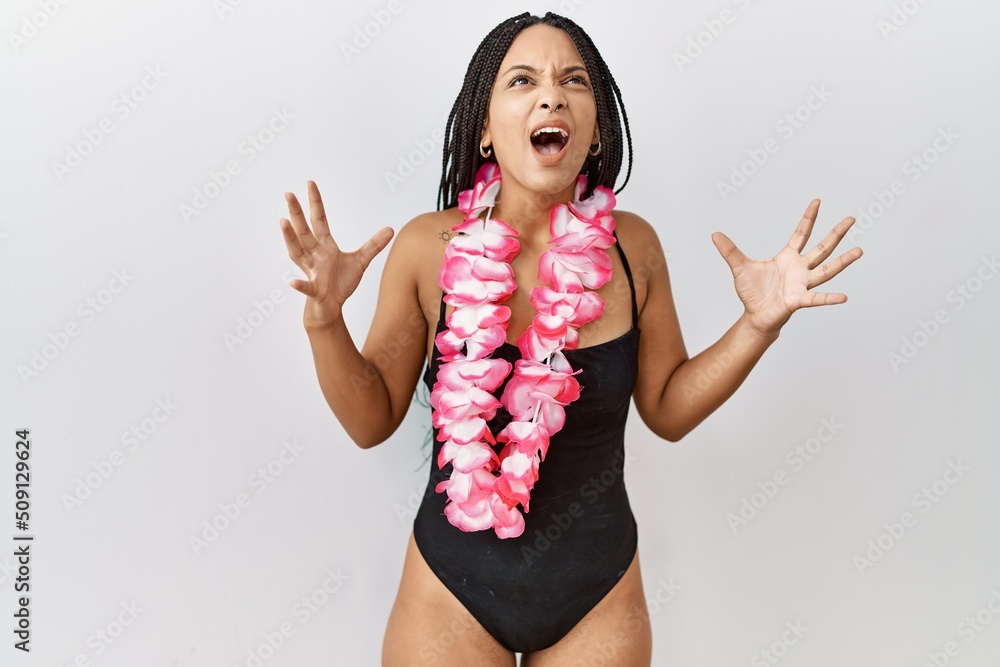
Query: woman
{"type": "Point", "coordinates": [519, 547]}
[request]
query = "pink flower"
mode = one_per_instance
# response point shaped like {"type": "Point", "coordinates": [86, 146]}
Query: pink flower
{"type": "Point", "coordinates": [485, 341]}
{"type": "Point", "coordinates": [481, 197]}
{"type": "Point", "coordinates": [571, 271]}
{"type": "Point", "coordinates": [465, 430]}
{"type": "Point", "coordinates": [562, 223]}
{"type": "Point", "coordinates": [465, 321]}
{"type": "Point", "coordinates": [513, 490]}
{"type": "Point", "coordinates": [536, 347]}
{"type": "Point", "coordinates": [470, 517]}
{"type": "Point", "coordinates": [491, 238]}
{"type": "Point", "coordinates": [471, 498]}
{"type": "Point", "coordinates": [528, 437]}
{"type": "Point", "coordinates": [486, 374]}
{"type": "Point", "coordinates": [449, 345]}
{"type": "Point", "coordinates": [475, 280]}
{"type": "Point", "coordinates": [468, 488]}
{"type": "Point", "coordinates": [536, 386]}
{"type": "Point", "coordinates": [578, 308]}
{"type": "Point", "coordinates": [598, 205]}
{"type": "Point", "coordinates": [462, 407]}
{"type": "Point", "coordinates": [467, 457]}
{"type": "Point", "coordinates": [481, 328]}
{"type": "Point", "coordinates": [508, 521]}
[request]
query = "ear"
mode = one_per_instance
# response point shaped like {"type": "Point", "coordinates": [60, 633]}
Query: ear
{"type": "Point", "coordinates": [597, 136]}
{"type": "Point", "coordinates": [487, 138]}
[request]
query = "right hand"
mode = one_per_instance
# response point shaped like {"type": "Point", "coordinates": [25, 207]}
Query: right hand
{"type": "Point", "coordinates": [333, 274]}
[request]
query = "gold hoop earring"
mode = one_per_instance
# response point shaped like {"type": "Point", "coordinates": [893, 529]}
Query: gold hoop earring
{"type": "Point", "coordinates": [592, 153]}
{"type": "Point", "coordinates": [484, 153]}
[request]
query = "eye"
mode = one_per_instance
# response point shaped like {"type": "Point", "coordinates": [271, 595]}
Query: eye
{"type": "Point", "coordinates": [519, 77]}
{"type": "Point", "coordinates": [577, 79]}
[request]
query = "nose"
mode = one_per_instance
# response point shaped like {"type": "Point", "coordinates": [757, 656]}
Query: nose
{"type": "Point", "coordinates": [552, 98]}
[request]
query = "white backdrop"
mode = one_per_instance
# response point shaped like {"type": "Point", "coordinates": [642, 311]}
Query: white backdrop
{"type": "Point", "coordinates": [154, 349]}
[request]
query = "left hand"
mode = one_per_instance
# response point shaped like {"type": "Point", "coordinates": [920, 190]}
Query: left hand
{"type": "Point", "coordinates": [774, 289]}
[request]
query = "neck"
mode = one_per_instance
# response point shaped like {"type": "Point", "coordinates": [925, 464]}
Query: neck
{"type": "Point", "coordinates": [528, 211]}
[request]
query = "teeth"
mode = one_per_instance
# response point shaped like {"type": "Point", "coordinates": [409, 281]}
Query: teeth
{"type": "Point", "coordinates": [551, 129]}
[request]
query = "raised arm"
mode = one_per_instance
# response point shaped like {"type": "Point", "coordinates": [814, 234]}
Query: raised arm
{"type": "Point", "coordinates": [369, 391]}
{"type": "Point", "coordinates": [674, 393]}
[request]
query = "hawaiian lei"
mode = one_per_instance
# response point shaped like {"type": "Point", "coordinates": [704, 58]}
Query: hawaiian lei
{"type": "Point", "coordinates": [484, 489]}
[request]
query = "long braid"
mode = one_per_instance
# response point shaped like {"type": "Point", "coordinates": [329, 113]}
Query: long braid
{"type": "Point", "coordinates": [463, 131]}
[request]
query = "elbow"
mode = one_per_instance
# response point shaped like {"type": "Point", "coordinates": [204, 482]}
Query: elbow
{"type": "Point", "coordinates": [665, 430]}
{"type": "Point", "coordinates": [370, 437]}
{"type": "Point", "coordinates": [365, 443]}
{"type": "Point", "coordinates": [672, 436]}
{"type": "Point", "coordinates": [368, 440]}
{"type": "Point", "coordinates": [671, 432]}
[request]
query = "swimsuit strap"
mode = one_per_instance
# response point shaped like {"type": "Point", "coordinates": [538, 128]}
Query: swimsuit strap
{"type": "Point", "coordinates": [631, 284]}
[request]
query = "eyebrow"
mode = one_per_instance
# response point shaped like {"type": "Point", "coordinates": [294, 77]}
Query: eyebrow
{"type": "Point", "coordinates": [529, 68]}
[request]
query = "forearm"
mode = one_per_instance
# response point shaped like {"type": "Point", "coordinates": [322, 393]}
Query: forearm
{"type": "Point", "coordinates": [701, 384]}
{"type": "Point", "coordinates": [352, 386]}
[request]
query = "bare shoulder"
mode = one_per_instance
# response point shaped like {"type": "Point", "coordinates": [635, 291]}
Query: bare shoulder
{"type": "Point", "coordinates": [430, 229]}
{"type": "Point", "coordinates": [633, 230]}
{"type": "Point", "coordinates": [419, 249]}
{"type": "Point", "coordinates": [641, 245]}
{"type": "Point", "coordinates": [423, 228]}
{"type": "Point", "coordinates": [424, 236]}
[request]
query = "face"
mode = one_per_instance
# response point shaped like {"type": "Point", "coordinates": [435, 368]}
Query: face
{"type": "Point", "coordinates": [541, 119]}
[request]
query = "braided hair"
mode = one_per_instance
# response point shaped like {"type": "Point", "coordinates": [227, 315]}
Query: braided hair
{"type": "Point", "coordinates": [463, 131]}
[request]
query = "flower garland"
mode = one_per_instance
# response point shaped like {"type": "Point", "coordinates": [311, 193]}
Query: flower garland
{"type": "Point", "coordinates": [484, 489]}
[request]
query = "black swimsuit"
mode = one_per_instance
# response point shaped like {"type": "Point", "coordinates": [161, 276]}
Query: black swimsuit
{"type": "Point", "coordinates": [580, 535]}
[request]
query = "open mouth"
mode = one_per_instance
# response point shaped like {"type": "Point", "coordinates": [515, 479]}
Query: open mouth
{"type": "Point", "coordinates": [549, 140]}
